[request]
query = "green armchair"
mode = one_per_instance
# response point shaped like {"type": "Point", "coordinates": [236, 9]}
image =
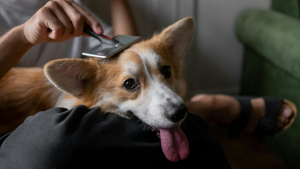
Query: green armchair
{"type": "Point", "coordinates": [272, 67]}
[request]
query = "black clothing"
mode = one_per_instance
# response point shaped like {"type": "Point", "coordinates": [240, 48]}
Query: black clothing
{"type": "Point", "coordinates": [80, 138]}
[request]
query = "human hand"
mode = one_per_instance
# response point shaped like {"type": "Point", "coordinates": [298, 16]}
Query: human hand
{"type": "Point", "coordinates": [57, 21]}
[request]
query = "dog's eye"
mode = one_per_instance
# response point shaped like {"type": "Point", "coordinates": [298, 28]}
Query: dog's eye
{"type": "Point", "coordinates": [166, 71]}
{"type": "Point", "coordinates": [130, 84]}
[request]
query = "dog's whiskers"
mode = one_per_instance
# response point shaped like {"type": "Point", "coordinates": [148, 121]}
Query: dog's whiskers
{"type": "Point", "coordinates": [147, 127]}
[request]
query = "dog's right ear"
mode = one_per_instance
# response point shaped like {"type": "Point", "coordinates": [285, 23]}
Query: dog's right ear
{"type": "Point", "coordinates": [73, 76]}
{"type": "Point", "coordinates": [178, 37]}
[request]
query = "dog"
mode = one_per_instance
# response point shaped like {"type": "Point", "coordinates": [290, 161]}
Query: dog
{"type": "Point", "coordinates": [144, 80]}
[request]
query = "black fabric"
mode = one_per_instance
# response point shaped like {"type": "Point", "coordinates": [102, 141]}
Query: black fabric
{"type": "Point", "coordinates": [80, 138]}
{"type": "Point", "coordinates": [241, 122]}
{"type": "Point", "coordinates": [267, 124]}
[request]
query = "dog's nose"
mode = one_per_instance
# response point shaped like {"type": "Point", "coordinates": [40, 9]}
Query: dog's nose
{"type": "Point", "coordinates": [178, 114]}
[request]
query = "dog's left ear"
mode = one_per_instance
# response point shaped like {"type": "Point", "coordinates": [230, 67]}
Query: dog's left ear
{"type": "Point", "coordinates": [73, 76]}
{"type": "Point", "coordinates": [178, 37]}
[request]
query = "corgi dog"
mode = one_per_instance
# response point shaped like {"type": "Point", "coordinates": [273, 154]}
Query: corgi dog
{"type": "Point", "coordinates": [144, 80]}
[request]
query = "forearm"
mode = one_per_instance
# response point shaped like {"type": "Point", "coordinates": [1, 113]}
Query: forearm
{"type": "Point", "coordinates": [13, 46]}
{"type": "Point", "coordinates": [122, 18]}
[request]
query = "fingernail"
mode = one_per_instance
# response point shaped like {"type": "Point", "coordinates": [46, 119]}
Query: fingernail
{"type": "Point", "coordinates": [51, 35]}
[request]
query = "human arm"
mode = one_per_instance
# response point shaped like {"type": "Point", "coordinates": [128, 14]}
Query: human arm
{"type": "Point", "coordinates": [57, 21]}
{"type": "Point", "coordinates": [122, 18]}
{"type": "Point", "coordinates": [13, 46]}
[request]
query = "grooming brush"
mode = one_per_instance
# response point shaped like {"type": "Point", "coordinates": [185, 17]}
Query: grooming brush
{"type": "Point", "coordinates": [109, 46]}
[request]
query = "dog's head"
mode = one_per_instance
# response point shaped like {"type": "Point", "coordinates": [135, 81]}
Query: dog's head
{"type": "Point", "coordinates": [144, 80]}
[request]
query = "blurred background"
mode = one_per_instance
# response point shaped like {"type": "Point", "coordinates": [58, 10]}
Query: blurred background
{"type": "Point", "coordinates": [214, 59]}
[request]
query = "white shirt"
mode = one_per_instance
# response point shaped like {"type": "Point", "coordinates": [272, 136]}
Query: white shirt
{"type": "Point", "coordinates": [16, 12]}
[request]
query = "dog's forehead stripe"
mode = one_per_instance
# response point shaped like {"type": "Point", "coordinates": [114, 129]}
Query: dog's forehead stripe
{"type": "Point", "coordinates": [131, 67]}
{"type": "Point", "coordinates": [149, 58]}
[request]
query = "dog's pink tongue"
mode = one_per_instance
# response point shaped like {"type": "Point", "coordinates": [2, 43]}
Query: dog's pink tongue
{"type": "Point", "coordinates": [174, 144]}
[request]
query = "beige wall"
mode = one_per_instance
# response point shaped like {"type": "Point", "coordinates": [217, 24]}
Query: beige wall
{"type": "Point", "coordinates": [214, 59]}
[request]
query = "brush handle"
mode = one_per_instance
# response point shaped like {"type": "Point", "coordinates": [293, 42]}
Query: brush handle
{"type": "Point", "coordinates": [102, 38]}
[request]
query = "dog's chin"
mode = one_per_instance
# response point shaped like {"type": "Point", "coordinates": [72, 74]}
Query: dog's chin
{"type": "Point", "coordinates": [155, 128]}
{"type": "Point", "coordinates": [129, 115]}
{"type": "Point", "coordinates": [174, 143]}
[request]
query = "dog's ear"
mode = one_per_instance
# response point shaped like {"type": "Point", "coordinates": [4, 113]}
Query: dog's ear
{"type": "Point", "coordinates": [71, 75]}
{"type": "Point", "coordinates": [178, 37]}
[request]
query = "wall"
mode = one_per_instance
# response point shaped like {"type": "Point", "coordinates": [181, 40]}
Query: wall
{"type": "Point", "coordinates": [214, 59]}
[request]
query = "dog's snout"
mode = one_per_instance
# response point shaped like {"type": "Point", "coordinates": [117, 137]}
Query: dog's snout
{"type": "Point", "coordinates": [179, 113]}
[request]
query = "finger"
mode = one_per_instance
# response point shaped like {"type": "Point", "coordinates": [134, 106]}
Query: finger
{"type": "Point", "coordinates": [48, 19]}
{"type": "Point", "coordinates": [61, 15]}
{"type": "Point", "coordinates": [89, 19]}
{"type": "Point", "coordinates": [86, 35]}
{"type": "Point", "coordinates": [75, 16]}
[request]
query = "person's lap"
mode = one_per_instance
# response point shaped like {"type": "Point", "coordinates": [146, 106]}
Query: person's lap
{"type": "Point", "coordinates": [79, 138]}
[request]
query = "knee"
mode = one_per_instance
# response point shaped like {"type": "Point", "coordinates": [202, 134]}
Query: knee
{"type": "Point", "coordinates": [223, 102]}
{"type": "Point", "coordinates": [208, 101]}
